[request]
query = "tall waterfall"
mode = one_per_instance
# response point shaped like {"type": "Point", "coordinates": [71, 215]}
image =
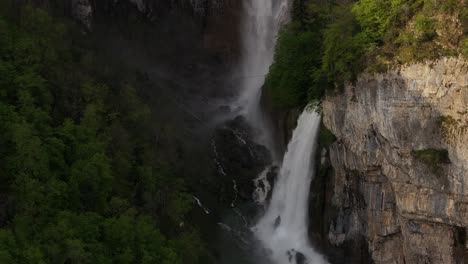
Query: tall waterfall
{"type": "Point", "coordinates": [283, 228]}
{"type": "Point", "coordinates": [261, 23]}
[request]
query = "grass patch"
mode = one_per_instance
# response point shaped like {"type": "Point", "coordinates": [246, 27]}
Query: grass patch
{"type": "Point", "coordinates": [451, 127]}
{"type": "Point", "coordinates": [433, 158]}
{"type": "Point", "coordinates": [464, 47]}
{"type": "Point", "coordinates": [425, 27]}
{"type": "Point", "coordinates": [446, 123]}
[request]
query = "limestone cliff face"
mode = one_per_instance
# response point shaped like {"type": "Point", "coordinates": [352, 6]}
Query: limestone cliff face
{"type": "Point", "coordinates": [379, 194]}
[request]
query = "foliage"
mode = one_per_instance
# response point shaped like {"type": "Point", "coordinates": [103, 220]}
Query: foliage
{"type": "Point", "coordinates": [464, 18]}
{"type": "Point", "coordinates": [425, 26]}
{"type": "Point", "coordinates": [377, 16]}
{"type": "Point", "coordinates": [450, 126]}
{"type": "Point", "coordinates": [346, 38]}
{"type": "Point", "coordinates": [290, 75]}
{"type": "Point", "coordinates": [343, 49]}
{"type": "Point", "coordinates": [447, 121]}
{"type": "Point", "coordinates": [433, 158]}
{"type": "Point", "coordinates": [464, 47]}
{"type": "Point", "coordinates": [326, 137]}
{"type": "Point", "coordinates": [78, 183]}
{"type": "Point", "coordinates": [432, 155]}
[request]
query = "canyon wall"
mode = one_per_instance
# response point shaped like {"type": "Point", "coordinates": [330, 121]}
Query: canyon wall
{"type": "Point", "coordinates": [215, 21]}
{"type": "Point", "coordinates": [394, 184]}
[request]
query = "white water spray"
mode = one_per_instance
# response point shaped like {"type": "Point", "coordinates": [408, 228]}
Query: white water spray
{"type": "Point", "coordinates": [283, 228]}
{"type": "Point", "coordinates": [261, 23]}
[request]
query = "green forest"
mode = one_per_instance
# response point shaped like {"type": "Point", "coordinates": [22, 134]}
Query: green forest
{"type": "Point", "coordinates": [80, 179]}
{"type": "Point", "coordinates": [329, 43]}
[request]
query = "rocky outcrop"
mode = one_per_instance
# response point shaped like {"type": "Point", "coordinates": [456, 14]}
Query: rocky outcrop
{"type": "Point", "coordinates": [239, 160]}
{"type": "Point", "coordinates": [211, 25]}
{"type": "Point", "coordinates": [82, 9]}
{"type": "Point", "coordinates": [217, 20]}
{"type": "Point", "coordinates": [83, 12]}
{"type": "Point", "coordinates": [386, 188]}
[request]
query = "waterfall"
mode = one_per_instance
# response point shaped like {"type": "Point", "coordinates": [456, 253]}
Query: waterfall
{"type": "Point", "coordinates": [283, 228]}
{"type": "Point", "coordinates": [261, 23]}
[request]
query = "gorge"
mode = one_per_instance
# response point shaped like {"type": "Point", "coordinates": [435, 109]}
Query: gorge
{"type": "Point", "coordinates": [233, 131]}
{"type": "Point", "coordinates": [283, 228]}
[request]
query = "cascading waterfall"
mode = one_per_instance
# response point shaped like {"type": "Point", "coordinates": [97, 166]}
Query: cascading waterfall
{"type": "Point", "coordinates": [283, 228]}
{"type": "Point", "coordinates": [261, 23]}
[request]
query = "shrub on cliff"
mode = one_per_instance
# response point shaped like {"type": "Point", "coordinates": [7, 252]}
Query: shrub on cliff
{"type": "Point", "coordinates": [345, 39]}
{"type": "Point", "coordinates": [377, 17]}
{"type": "Point", "coordinates": [464, 48]}
{"type": "Point", "coordinates": [343, 47]}
{"type": "Point", "coordinates": [297, 53]}
{"type": "Point", "coordinates": [433, 158]}
{"type": "Point", "coordinates": [426, 27]}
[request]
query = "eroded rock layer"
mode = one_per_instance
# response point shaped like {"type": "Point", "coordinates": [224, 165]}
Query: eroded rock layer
{"type": "Point", "coordinates": [388, 189]}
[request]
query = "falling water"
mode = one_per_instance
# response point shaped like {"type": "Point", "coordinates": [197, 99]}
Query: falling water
{"type": "Point", "coordinates": [261, 23]}
{"type": "Point", "coordinates": [283, 228]}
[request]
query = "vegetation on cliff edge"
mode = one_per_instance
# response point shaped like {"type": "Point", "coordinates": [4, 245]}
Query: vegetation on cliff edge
{"type": "Point", "coordinates": [328, 43]}
{"type": "Point", "coordinates": [433, 158]}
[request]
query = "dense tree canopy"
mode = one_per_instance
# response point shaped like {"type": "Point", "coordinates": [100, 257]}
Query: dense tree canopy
{"type": "Point", "coordinates": [79, 184]}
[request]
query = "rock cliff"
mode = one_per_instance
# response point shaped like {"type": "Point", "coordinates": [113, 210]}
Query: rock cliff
{"type": "Point", "coordinates": [212, 25]}
{"type": "Point", "coordinates": [216, 20]}
{"type": "Point", "coordinates": [388, 196]}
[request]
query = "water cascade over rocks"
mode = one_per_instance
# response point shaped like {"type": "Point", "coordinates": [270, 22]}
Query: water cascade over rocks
{"type": "Point", "coordinates": [260, 25]}
{"type": "Point", "coordinates": [283, 228]}
{"type": "Point", "coordinates": [282, 231]}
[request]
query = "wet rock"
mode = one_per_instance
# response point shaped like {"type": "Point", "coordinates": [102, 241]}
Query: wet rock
{"type": "Point", "coordinates": [264, 185]}
{"type": "Point", "coordinates": [277, 221]}
{"type": "Point", "coordinates": [300, 258]}
{"type": "Point", "coordinates": [272, 174]}
{"type": "Point", "coordinates": [225, 109]}
{"type": "Point", "coordinates": [296, 257]}
{"type": "Point", "coordinates": [140, 4]}
{"type": "Point", "coordinates": [239, 158]}
{"type": "Point", "coordinates": [290, 255]}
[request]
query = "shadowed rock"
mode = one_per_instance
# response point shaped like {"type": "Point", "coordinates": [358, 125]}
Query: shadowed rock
{"type": "Point", "coordinates": [277, 221]}
{"type": "Point", "coordinates": [239, 157]}
{"type": "Point", "coordinates": [300, 258]}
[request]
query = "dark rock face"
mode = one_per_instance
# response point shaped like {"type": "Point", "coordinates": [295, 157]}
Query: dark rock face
{"type": "Point", "coordinates": [212, 25]}
{"type": "Point", "coordinates": [277, 221]}
{"type": "Point", "coordinates": [329, 222]}
{"type": "Point", "coordinates": [272, 175]}
{"type": "Point", "coordinates": [300, 258]}
{"type": "Point", "coordinates": [239, 159]}
{"type": "Point", "coordinates": [296, 257]}
{"type": "Point", "coordinates": [215, 21]}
